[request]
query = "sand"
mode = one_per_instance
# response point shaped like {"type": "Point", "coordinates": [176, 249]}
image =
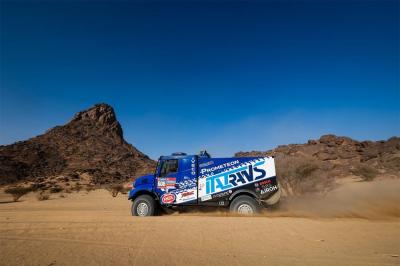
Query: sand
{"type": "Point", "coordinates": [96, 229]}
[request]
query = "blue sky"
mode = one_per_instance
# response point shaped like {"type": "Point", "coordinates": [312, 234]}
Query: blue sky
{"type": "Point", "coordinates": [191, 75]}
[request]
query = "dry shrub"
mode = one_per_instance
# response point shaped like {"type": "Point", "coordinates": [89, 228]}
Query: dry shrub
{"type": "Point", "coordinates": [306, 169]}
{"type": "Point", "coordinates": [43, 196]}
{"type": "Point", "coordinates": [301, 175]}
{"type": "Point", "coordinates": [18, 192]}
{"type": "Point", "coordinates": [77, 187]}
{"type": "Point", "coordinates": [55, 189]}
{"type": "Point", "coordinates": [125, 190]}
{"type": "Point", "coordinates": [90, 188]}
{"type": "Point", "coordinates": [116, 188]}
{"type": "Point", "coordinates": [37, 186]}
{"type": "Point", "coordinates": [367, 173]}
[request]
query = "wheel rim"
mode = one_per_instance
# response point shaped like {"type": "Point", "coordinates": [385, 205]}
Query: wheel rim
{"type": "Point", "coordinates": [142, 209]}
{"type": "Point", "coordinates": [245, 209]}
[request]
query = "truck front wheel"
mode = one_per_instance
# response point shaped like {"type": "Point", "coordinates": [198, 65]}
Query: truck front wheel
{"type": "Point", "coordinates": [244, 205]}
{"type": "Point", "coordinates": [143, 206]}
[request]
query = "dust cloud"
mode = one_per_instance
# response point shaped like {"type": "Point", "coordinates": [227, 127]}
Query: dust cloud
{"type": "Point", "coordinates": [378, 200]}
{"type": "Point", "coordinates": [369, 200]}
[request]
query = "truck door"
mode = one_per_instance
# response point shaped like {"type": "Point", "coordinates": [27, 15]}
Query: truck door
{"type": "Point", "coordinates": [186, 189]}
{"type": "Point", "coordinates": [167, 175]}
{"type": "Point", "coordinates": [177, 181]}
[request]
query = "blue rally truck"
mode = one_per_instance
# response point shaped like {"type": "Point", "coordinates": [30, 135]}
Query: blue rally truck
{"type": "Point", "coordinates": [242, 184]}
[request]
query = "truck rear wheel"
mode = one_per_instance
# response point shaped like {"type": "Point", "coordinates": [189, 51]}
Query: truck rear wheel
{"type": "Point", "coordinates": [244, 205]}
{"type": "Point", "coordinates": [143, 206]}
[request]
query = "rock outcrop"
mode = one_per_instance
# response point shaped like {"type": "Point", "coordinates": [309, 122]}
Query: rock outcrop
{"type": "Point", "coordinates": [91, 147]}
{"type": "Point", "coordinates": [320, 164]}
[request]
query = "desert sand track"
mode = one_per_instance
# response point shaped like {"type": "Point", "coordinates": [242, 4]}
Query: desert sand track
{"type": "Point", "coordinates": [96, 229]}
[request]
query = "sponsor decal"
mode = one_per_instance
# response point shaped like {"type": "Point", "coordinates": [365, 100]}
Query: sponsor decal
{"type": "Point", "coordinates": [234, 178]}
{"type": "Point", "coordinates": [186, 195]}
{"type": "Point", "coordinates": [245, 173]}
{"type": "Point", "coordinates": [221, 195]}
{"type": "Point", "coordinates": [206, 164]}
{"type": "Point", "coordinates": [168, 198]}
{"type": "Point", "coordinates": [269, 189]}
{"type": "Point", "coordinates": [193, 166]}
{"type": "Point", "coordinates": [206, 197]}
{"type": "Point", "coordinates": [265, 182]}
{"type": "Point", "coordinates": [166, 183]}
{"type": "Point", "coordinates": [218, 167]}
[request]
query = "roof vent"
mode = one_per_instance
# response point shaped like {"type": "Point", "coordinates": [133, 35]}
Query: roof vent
{"type": "Point", "coordinates": [179, 154]}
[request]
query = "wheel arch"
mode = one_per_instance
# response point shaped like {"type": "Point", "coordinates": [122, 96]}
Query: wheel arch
{"type": "Point", "coordinates": [242, 192]}
{"type": "Point", "coordinates": [144, 192]}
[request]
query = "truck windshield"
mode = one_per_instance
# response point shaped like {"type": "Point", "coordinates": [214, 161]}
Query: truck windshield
{"type": "Point", "coordinates": [169, 166]}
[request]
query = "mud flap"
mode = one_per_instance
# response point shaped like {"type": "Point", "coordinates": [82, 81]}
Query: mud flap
{"type": "Point", "coordinates": [274, 199]}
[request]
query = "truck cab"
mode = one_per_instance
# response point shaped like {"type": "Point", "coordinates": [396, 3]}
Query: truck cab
{"type": "Point", "coordinates": [244, 184]}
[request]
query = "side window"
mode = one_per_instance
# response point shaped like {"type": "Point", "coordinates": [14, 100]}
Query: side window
{"type": "Point", "coordinates": [169, 166]}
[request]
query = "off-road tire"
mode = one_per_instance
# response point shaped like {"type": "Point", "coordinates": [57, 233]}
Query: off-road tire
{"type": "Point", "coordinates": [143, 205]}
{"type": "Point", "coordinates": [244, 203]}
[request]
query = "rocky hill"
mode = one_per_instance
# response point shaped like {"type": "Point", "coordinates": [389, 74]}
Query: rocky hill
{"type": "Point", "coordinates": [89, 149]}
{"type": "Point", "coordinates": [319, 165]}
